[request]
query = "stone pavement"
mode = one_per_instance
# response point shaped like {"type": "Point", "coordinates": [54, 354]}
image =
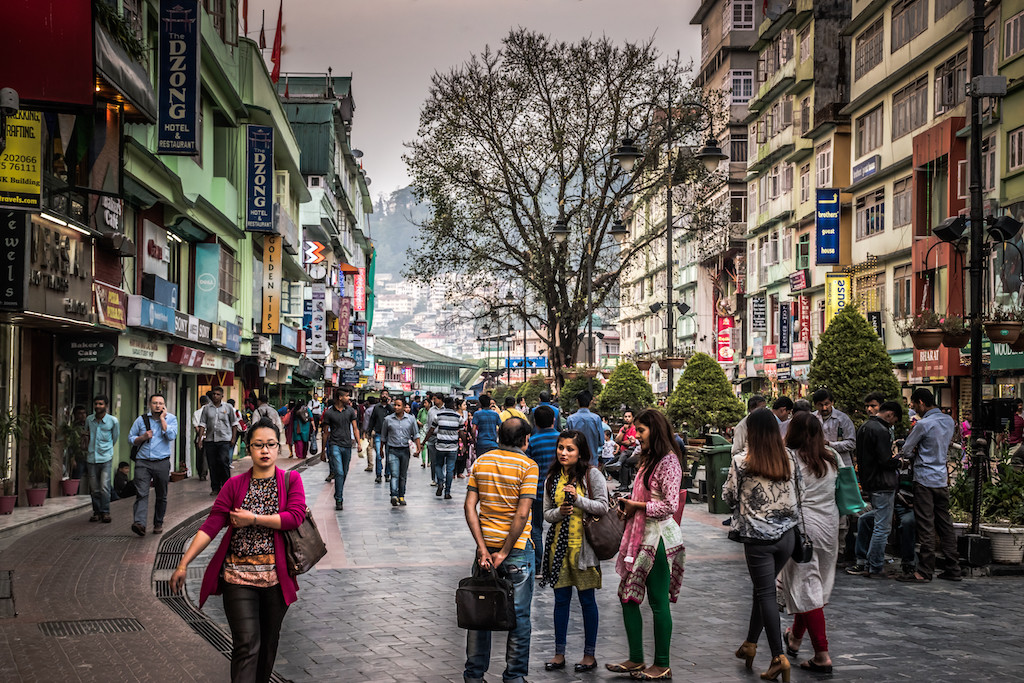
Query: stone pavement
{"type": "Point", "coordinates": [380, 606]}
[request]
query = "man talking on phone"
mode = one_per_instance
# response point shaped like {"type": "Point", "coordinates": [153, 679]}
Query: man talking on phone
{"type": "Point", "coordinates": [154, 433]}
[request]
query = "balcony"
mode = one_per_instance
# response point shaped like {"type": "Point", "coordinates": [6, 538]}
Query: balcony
{"type": "Point", "coordinates": [771, 151]}
{"type": "Point", "coordinates": [777, 83]}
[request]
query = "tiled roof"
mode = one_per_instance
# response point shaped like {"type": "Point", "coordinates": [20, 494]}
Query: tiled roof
{"type": "Point", "coordinates": [390, 348]}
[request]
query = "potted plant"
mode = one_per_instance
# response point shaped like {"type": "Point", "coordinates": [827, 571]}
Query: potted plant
{"type": "Point", "coordinates": [674, 362]}
{"type": "Point", "coordinates": [75, 452]}
{"type": "Point", "coordinates": [10, 437]}
{"type": "Point", "coordinates": [1002, 510]}
{"type": "Point", "coordinates": [1002, 325]}
{"type": "Point", "coordinates": [644, 364]}
{"type": "Point", "coordinates": [924, 329]}
{"type": "Point", "coordinates": [39, 430]}
{"type": "Point", "coordinates": [591, 372]}
{"type": "Point", "coordinates": [956, 332]}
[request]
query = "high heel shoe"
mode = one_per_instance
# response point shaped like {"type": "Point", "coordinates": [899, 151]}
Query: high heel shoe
{"type": "Point", "coordinates": [747, 652]}
{"type": "Point", "coordinates": [780, 665]}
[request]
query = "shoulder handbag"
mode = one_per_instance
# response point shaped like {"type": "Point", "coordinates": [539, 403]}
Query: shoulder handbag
{"type": "Point", "coordinates": [136, 447]}
{"type": "Point", "coordinates": [803, 549]}
{"type": "Point", "coordinates": [604, 533]}
{"type": "Point", "coordinates": [486, 603]}
{"type": "Point", "coordinates": [303, 546]}
{"type": "Point", "coordinates": [848, 498]}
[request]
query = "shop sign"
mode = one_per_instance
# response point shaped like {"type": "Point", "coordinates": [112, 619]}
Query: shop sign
{"type": "Point", "coordinates": [216, 361]}
{"type": "Point", "coordinates": [181, 325]}
{"type": "Point", "coordinates": [785, 327]}
{"type": "Point", "coordinates": [875, 318]}
{"type": "Point", "coordinates": [160, 290]}
{"type": "Point", "coordinates": [359, 291]}
{"type": "Point", "coordinates": [111, 305]}
{"type": "Point", "coordinates": [141, 349]}
{"type": "Point", "coordinates": [804, 319]}
{"type": "Point", "coordinates": [263, 347]}
{"type": "Point", "coordinates": [837, 294]}
{"type": "Point", "coordinates": [771, 352]}
{"type": "Point", "coordinates": [107, 216]}
{"type": "Point", "coordinates": [178, 124]}
{"type": "Point", "coordinates": [931, 363]}
{"type": "Point", "coordinates": [379, 372]}
{"type": "Point", "coordinates": [206, 293]}
{"type": "Point", "coordinates": [204, 331]}
{"type": "Point", "coordinates": [318, 323]}
{"type": "Point", "coordinates": [156, 256]}
{"type": "Point", "coordinates": [289, 338]}
{"type": "Point", "coordinates": [826, 221]}
{"type": "Point", "coordinates": [771, 370]}
{"type": "Point", "coordinates": [724, 339]}
{"type": "Point", "coordinates": [801, 372]}
{"type": "Point", "coordinates": [344, 325]}
{"type": "Point", "coordinates": [407, 374]}
{"type": "Point", "coordinates": [784, 371]}
{"type": "Point", "coordinates": [87, 352]}
{"type": "Point", "coordinates": [866, 168]}
{"type": "Point", "coordinates": [271, 316]}
{"type": "Point", "coordinates": [60, 271]}
{"type": "Point", "coordinates": [14, 258]}
{"type": "Point", "coordinates": [759, 314]}
{"type": "Point", "coordinates": [21, 167]}
{"type": "Point", "coordinates": [799, 280]}
{"type": "Point", "coordinates": [259, 156]}
{"type": "Point", "coordinates": [758, 344]}
{"type": "Point", "coordinates": [234, 342]}
{"type": "Point", "coordinates": [150, 315]}
{"type": "Point", "coordinates": [186, 356]}
{"type": "Point", "coordinates": [350, 376]}
{"type": "Point", "coordinates": [801, 351]}
{"type": "Point", "coordinates": [219, 335]}
{"type": "Point", "coordinates": [313, 252]}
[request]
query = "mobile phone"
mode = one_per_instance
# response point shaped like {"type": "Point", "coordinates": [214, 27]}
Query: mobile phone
{"type": "Point", "coordinates": [622, 504]}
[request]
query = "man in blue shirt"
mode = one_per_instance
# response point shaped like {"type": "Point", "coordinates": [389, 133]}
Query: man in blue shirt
{"type": "Point", "coordinates": [104, 431]}
{"type": "Point", "coordinates": [545, 400]}
{"type": "Point", "coordinates": [154, 433]}
{"type": "Point", "coordinates": [588, 423]}
{"type": "Point", "coordinates": [542, 448]}
{"type": "Point", "coordinates": [486, 422]}
{"type": "Point", "coordinates": [928, 446]}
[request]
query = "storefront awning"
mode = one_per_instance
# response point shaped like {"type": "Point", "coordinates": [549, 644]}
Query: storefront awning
{"type": "Point", "coordinates": [125, 74]}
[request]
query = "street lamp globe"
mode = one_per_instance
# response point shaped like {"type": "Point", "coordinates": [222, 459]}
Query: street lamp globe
{"type": "Point", "coordinates": [711, 154]}
{"type": "Point", "coordinates": [561, 230]}
{"type": "Point", "coordinates": [618, 231]}
{"type": "Point", "coordinates": [627, 155]}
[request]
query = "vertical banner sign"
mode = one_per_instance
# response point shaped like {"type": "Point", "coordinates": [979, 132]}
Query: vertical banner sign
{"type": "Point", "coordinates": [317, 349]}
{"type": "Point", "coordinates": [359, 344]}
{"type": "Point", "coordinates": [837, 294]}
{"type": "Point", "coordinates": [804, 331]}
{"type": "Point", "coordinates": [724, 339]}
{"type": "Point", "coordinates": [14, 261]}
{"type": "Point", "coordinates": [359, 291]}
{"type": "Point", "coordinates": [759, 314]}
{"type": "Point", "coordinates": [21, 174]}
{"type": "Point", "coordinates": [271, 284]}
{"type": "Point", "coordinates": [178, 128]}
{"type": "Point", "coordinates": [207, 291]}
{"type": "Point", "coordinates": [826, 223]}
{"type": "Point", "coordinates": [259, 156]}
{"type": "Point", "coordinates": [875, 318]}
{"type": "Point", "coordinates": [785, 327]}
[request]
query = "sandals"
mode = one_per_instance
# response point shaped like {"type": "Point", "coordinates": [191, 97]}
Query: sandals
{"type": "Point", "coordinates": [620, 669]}
{"type": "Point", "coordinates": [790, 650]}
{"type": "Point", "coordinates": [644, 676]}
{"type": "Point", "coordinates": [811, 665]}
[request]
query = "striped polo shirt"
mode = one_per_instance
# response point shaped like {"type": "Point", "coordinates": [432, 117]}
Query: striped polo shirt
{"type": "Point", "coordinates": [542, 449]}
{"type": "Point", "coordinates": [501, 477]}
{"type": "Point", "coordinates": [446, 424]}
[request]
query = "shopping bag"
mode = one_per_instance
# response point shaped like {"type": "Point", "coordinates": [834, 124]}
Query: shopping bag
{"type": "Point", "coordinates": [848, 497]}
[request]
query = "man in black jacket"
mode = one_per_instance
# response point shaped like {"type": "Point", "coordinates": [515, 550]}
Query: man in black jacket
{"type": "Point", "coordinates": [380, 412]}
{"type": "Point", "coordinates": [878, 470]}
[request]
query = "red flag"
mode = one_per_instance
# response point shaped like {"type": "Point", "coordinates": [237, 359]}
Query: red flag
{"type": "Point", "coordinates": [263, 34]}
{"type": "Point", "coordinates": [245, 17]}
{"type": "Point", "coordinates": [275, 54]}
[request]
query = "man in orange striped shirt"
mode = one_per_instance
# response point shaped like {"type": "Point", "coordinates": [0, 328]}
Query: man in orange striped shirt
{"type": "Point", "coordinates": [503, 484]}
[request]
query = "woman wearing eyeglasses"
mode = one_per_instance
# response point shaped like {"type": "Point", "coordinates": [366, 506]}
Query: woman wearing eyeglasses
{"type": "Point", "coordinates": [249, 568]}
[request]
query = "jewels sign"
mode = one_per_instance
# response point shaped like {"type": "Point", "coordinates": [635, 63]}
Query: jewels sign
{"type": "Point", "coordinates": [271, 284]}
{"type": "Point", "coordinates": [724, 343]}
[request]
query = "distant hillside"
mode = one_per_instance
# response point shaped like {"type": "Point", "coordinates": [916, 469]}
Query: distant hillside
{"type": "Point", "coordinates": [393, 227]}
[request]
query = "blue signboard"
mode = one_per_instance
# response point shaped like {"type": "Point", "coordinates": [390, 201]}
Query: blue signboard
{"type": "Point", "coordinates": [359, 356]}
{"type": "Point", "coordinates": [307, 316]}
{"type": "Point", "coordinates": [532, 362]}
{"type": "Point", "coordinates": [207, 287]}
{"type": "Point", "coordinates": [234, 337]}
{"type": "Point", "coordinates": [150, 315]}
{"type": "Point", "coordinates": [259, 156]}
{"type": "Point", "coordinates": [178, 125]}
{"type": "Point", "coordinates": [826, 222]}
{"type": "Point", "coordinates": [289, 338]}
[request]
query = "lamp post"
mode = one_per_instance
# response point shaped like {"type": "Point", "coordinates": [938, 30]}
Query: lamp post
{"type": "Point", "coordinates": [711, 155]}
{"type": "Point", "coordinates": [508, 354]}
{"type": "Point", "coordinates": [487, 330]}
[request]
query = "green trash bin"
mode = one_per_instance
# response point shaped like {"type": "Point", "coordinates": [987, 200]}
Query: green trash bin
{"type": "Point", "coordinates": [717, 456]}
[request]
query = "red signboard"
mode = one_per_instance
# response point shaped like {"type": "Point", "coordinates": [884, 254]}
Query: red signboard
{"type": "Point", "coordinates": [111, 305]}
{"type": "Point", "coordinates": [379, 372]}
{"type": "Point", "coordinates": [359, 290]}
{"type": "Point", "coordinates": [186, 356]}
{"type": "Point", "coordinates": [801, 351]}
{"type": "Point", "coordinates": [771, 351]}
{"type": "Point", "coordinates": [724, 343]}
{"type": "Point", "coordinates": [804, 320]}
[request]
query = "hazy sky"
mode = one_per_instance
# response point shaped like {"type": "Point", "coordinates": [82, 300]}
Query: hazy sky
{"type": "Point", "coordinates": [392, 47]}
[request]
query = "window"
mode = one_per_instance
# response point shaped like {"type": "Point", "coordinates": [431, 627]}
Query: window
{"type": "Point", "coordinates": [787, 178]}
{"type": "Point", "coordinates": [705, 42]}
{"type": "Point", "coordinates": [909, 19]}
{"type": "Point", "coordinates": [762, 188]}
{"type": "Point", "coordinates": [871, 214]}
{"type": "Point", "coordinates": [786, 245]}
{"type": "Point", "coordinates": [869, 48]}
{"type": "Point", "coordinates": [742, 85]}
{"type": "Point", "coordinates": [951, 82]}
{"type": "Point", "coordinates": [910, 108]}
{"type": "Point", "coordinates": [944, 7]}
{"type": "Point", "coordinates": [869, 131]}
{"type": "Point", "coordinates": [1015, 141]}
{"type": "Point", "coordinates": [805, 183]}
{"type": "Point", "coordinates": [132, 16]}
{"type": "Point", "coordinates": [738, 15]}
{"type": "Point", "coordinates": [962, 180]}
{"type": "Point", "coordinates": [805, 43]}
{"type": "Point", "coordinates": [774, 182]}
{"type": "Point", "coordinates": [229, 275]}
{"type": "Point", "coordinates": [823, 164]}
{"type": "Point", "coordinates": [738, 147]}
{"type": "Point", "coordinates": [803, 251]}
{"type": "Point", "coordinates": [901, 203]}
{"type": "Point", "coordinates": [902, 279]}
{"type": "Point", "coordinates": [751, 198]}
{"type": "Point", "coordinates": [737, 206]}
{"type": "Point", "coordinates": [763, 249]}
{"type": "Point", "coordinates": [805, 115]}
{"type": "Point", "coordinates": [1013, 35]}
{"type": "Point", "coordinates": [990, 50]}
{"type": "Point", "coordinates": [224, 23]}
{"type": "Point", "coordinates": [781, 115]}
{"type": "Point", "coordinates": [988, 163]}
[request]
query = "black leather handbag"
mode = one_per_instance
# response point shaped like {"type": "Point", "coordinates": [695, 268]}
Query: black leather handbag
{"type": "Point", "coordinates": [303, 546]}
{"type": "Point", "coordinates": [486, 603]}
{"type": "Point", "coordinates": [803, 549]}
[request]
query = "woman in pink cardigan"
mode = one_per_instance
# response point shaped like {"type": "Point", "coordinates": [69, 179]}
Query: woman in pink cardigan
{"type": "Point", "coordinates": [250, 568]}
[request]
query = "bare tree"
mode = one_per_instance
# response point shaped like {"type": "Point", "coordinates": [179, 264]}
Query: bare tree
{"type": "Point", "coordinates": [516, 138]}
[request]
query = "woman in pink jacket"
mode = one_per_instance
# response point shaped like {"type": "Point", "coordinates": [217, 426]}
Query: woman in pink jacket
{"type": "Point", "coordinates": [250, 568]}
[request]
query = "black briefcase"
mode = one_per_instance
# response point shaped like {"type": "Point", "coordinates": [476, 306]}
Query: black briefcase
{"type": "Point", "coordinates": [486, 603]}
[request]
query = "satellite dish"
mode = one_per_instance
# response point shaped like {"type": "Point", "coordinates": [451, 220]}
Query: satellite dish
{"type": "Point", "coordinates": [775, 9]}
{"type": "Point", "coordinates": [357, 153]}
{"type": "Point", "coordinates": [369, 181]}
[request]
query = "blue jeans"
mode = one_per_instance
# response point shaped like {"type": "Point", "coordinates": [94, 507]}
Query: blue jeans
{"type": "Point", "coordinates": [588, 602]}
{"type": "Point", "coordinates": [907, 533]}
{"type": "Point", "coordinates": [340, 457]}
{"type": "Point", "coordinates": [520, 569]}
{"type": "Point", "coordinates": [874, 534]}
{"type": "Point", "coordinates": [398, 464]}
{"type": "Point", "coordinates": [381, 457]}
{"type": "Point", "coordinates": [444, 468]}
{"type": "Point", "coordinates": [99, 484]}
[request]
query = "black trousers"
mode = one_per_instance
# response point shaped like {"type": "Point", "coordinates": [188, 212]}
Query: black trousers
{"type": "Point", "coordinates": [218, 457]}
{"type": "Point", "coordinates": [764, 562]}
{"type": "Point", "coordinates": [255, 616]}
{"type": "Point", "coordinates": [931, 517]}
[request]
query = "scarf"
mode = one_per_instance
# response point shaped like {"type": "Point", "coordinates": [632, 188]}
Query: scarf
{"type": "Point", "coordinates": [552, 569]}
{"type": "Point", "coordinates": [635, 525]}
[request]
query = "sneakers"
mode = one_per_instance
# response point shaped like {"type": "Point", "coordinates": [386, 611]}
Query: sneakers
{"type": "Point", "coordinates": [447, 496]}
{"type": "Point", "coordinates": [439, 491]}
{"type": "Point", "coordinates": [368, 469]}
{"type": "Point", "coordinates": [401, 501]}
{"type": "Point", "coordinates": [877, 575]}
{"type": "Point", "coordinates": [94, 518]}
{"type": "Point", "coordinates": [338, 506]}
{"type": "Point", "coordinates": [433, 483]}
{"type": "Point", "coordinates": [138, 529]}
{"type": "Point", "coordinates": [330, 477]}
{"type": "Point", "coordinates": [857, 570]}
{"type": "Point", "coordinates": [377, 480]}
{"type": "Point", "coordinates": [105, 519]}
{"type": "Point", "coordinates": [387, 477]}
{"type": "Point", "coordinates": [158, 528]}
{"type": "Point", "coordinates": [394, 501]}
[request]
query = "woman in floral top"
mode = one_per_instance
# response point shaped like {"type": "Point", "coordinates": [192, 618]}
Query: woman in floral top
{"type": "Point", "coordinates": [250, 568]}
{"type": "Point", "coordinates": [651, 556]}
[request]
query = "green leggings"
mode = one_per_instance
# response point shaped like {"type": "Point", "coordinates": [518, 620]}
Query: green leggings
{"type": "Point", "coordinates": [657, 596]}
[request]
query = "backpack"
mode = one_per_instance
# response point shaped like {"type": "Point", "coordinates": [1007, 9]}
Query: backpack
{"type": "Point", "coordinates": [137, 447]}
{"type": "Point", "coordinates": [286, 419]}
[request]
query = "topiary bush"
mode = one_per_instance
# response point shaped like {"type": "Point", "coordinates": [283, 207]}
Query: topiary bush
{"type": "Point", "coordinates": [704, 396]}
{"type": "Point", "coordinates": [531, 388]}
{"type": "Point", "coordinates": [626, 386]}
{"type": "Point", "coordinates": [567, 397]}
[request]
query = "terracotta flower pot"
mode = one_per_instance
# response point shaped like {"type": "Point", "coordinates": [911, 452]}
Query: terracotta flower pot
{"type": "Point", "coordinates": [178, 476]}
{"type": "Point", "coordinates": [927, 339]}
{"type": "Point", "coordinates": [676, 363]}
{"type": "Point", "coordinates": [1002, 332]}
{"type": "Point", "coordinates": [591, 372]}
{"type": "Point", "coordinates": [1018, 344]}
{"type": "Point", "coordinates": [69, 487]}
{"type": "Point", "coordinates": [7, 504]}
{"type": "Point", "coordinates": [644, 365]}
{"type": "Point", "coordinates": [956, 340]}
{"type": "Point", "coordinates": [35, 497]}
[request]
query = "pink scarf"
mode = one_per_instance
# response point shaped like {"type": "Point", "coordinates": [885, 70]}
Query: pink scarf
{"type": "Point", "coordinates": [634, 534]}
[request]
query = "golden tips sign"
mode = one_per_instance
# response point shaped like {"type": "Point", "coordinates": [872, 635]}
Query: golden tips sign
{"type": "Point", "coordinates": [271, 284]}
